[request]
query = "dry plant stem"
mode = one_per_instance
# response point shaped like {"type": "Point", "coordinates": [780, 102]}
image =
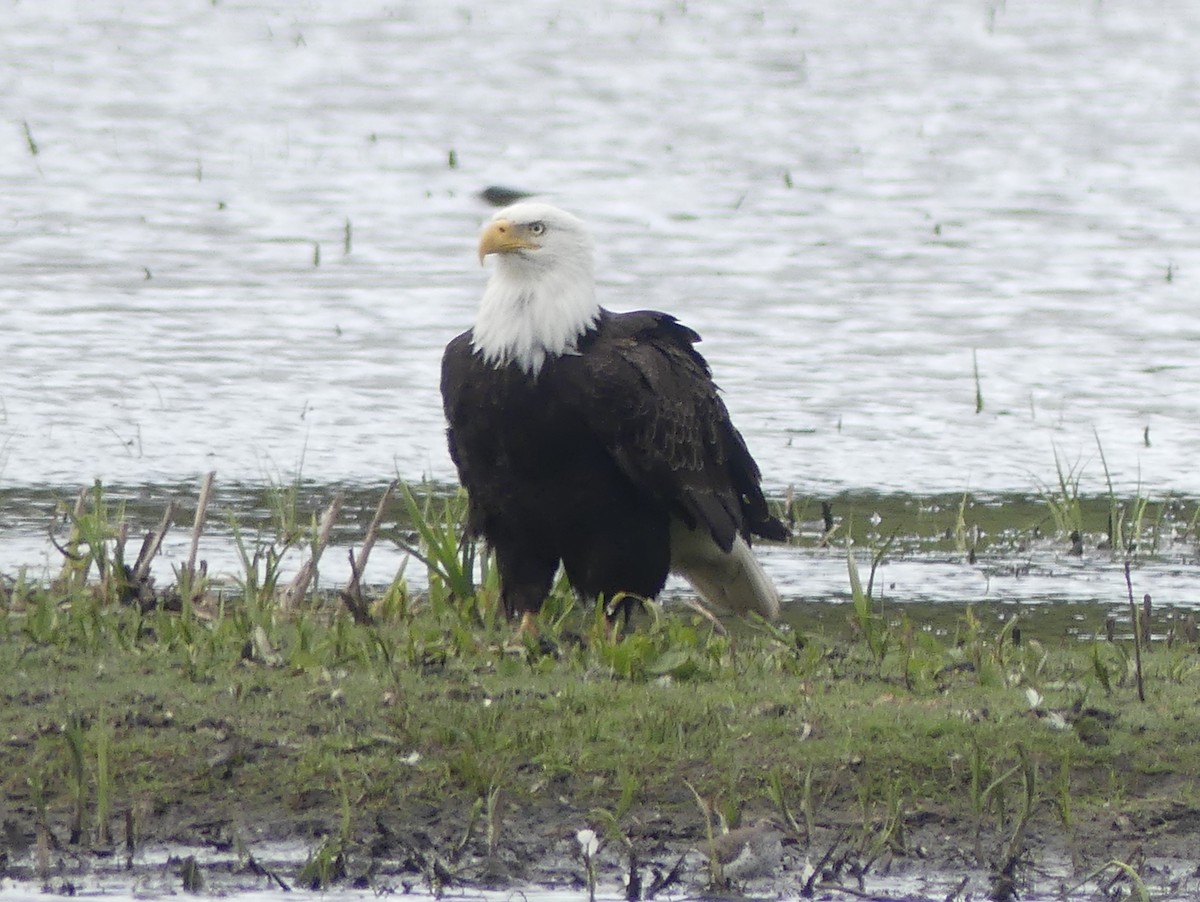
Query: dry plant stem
{"type": "Point", "coordinates": [1137, 637]}
{"type": "Point", "coordinates": [144, 551]}
{"type": "Point", "coordinates": [43, 851]}
{"type": "Point", "coordinates": [698, 606]}
{"type": "Point", "coordinates": [360, 563]}
{"type": "Point", "coordinates": [633, 882]}
{"type": "Point", "coordinates": [673, 876]}
{"type": "Point", "coordinates": [121, 539]}
{"type": "Point", "coordinates": [810, 885]}
{"type": "Point", "coordinates": [299, 587]}
{"type": "Point", "coordinates": [198, 523]}
{"type": "Point", "coordinates": [352, 595]}
{"type": "Point", "coordinates": [151, 545]}
{"type": "Point", "coordinates": [957, 892]}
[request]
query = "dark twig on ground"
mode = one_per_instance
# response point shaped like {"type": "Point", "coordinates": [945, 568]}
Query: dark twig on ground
{"type": "Point", "coordinates": [135, 583]}
{"type": "Point", "coordinates": [663, 881]}
{"type": "Point", "coordinates": [151, 545]}
{"type": "Point", "coordinates": [809, 885]}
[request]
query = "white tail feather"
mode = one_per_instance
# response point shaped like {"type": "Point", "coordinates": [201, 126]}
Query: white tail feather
{"type": "Point", "coordinates": [734, 581]}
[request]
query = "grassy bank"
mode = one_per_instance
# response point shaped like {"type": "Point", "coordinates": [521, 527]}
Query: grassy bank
{"type": "Point", "coordinates": [420, 736]}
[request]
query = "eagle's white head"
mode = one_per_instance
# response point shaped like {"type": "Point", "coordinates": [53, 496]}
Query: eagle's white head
{"type": "Point", "coordinates": [541, 296]}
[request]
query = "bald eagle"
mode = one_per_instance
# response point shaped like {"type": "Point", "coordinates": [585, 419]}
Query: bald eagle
{"type": "Point", "coordinates": [595, 439]}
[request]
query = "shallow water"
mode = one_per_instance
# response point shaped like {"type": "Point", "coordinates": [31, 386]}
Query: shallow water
{"type": "Point", "coordinates": [154, 872]}
{"type": "Point", "coordinates": [233, 237]}
{"type": "Point", "coordinates": [1013, 567]}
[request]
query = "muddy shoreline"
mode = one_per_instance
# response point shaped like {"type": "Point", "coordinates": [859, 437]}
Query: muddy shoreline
{"type": "Point", "coordinates": [234, 810]}
{"type": "Point", "coordinates": [226, 848]}
{"type": "Point", "coordinates": [413, 742]}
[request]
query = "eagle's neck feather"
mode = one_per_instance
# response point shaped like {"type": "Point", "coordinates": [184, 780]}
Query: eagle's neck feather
{"type": "Point", "coordinates": [531, 312]}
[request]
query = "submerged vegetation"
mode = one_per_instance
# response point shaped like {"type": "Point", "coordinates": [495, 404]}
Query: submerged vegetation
{"type": "Point", "coordinates": [415, 737]}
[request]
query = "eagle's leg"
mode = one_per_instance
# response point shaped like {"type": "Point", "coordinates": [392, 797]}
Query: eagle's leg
{"type": "Point", "coordinates": [622, 567]}
{"type": "Point", "coordinates": [526, 576]}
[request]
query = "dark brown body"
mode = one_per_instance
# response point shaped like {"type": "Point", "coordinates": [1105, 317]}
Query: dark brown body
{"type": "Point", "coordinates": [588, 462]}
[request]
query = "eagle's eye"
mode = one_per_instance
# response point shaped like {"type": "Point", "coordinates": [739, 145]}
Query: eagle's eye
{"type": "Point", "coordinates": [537, 228]}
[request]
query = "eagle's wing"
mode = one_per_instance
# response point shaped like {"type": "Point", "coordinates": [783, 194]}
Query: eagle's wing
{"type": "Point", "coordinates": [649, 396]}
{"type": "Point", "coordinates": [459, 376]}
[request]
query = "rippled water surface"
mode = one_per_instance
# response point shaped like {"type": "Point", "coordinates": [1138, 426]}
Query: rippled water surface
{"type": "Point", "coordinates": [235, 236]}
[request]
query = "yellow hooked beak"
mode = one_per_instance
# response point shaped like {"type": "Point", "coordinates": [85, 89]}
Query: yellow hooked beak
{"type": "Point", "coordinates": [502, 236]}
